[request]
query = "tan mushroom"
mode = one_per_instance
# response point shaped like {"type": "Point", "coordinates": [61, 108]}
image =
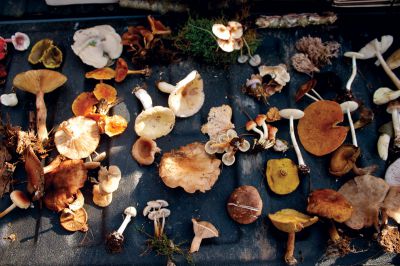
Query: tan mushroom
{"type": "Point", "coordinates": [109, 179]}
{"type": "Point", "coordinates": [19, 200]}
{"type": "Point", "coordinates": [235, 29]}
{"type": "Point", "coordinates": [74, 220]}
{"type": "Point", "coordinates": [77, 137]}
{"type": "Point", "coordinates": [218, 121]}
{"type": "Point", "coordinates": [244, 205]}
{"type": "Point", "coordinates": [35, 174]}
{"type": "Point", "coordinates": [144, 150]}
{"type": "Point", "coordinates": [202, 230]}
{"type": "Point", "coordinates": [39, 82]}
{"type": "Point", "coordinates": [78, 202]}
{"type": "Point", "coordinates": [100, 198]}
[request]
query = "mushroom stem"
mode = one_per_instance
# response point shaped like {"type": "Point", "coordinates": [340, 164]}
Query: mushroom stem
{"type": "Point", "coordinates": [353, 131]}
{"type": "Point", "coordinates": [333, 233]}
{"type": "Point", "coordinates": [126, 221]}
{"type": "Point", "coordinates": [265, 129]}
{"type": "Point", "coordinates": [165, 87]}
{"type": "Point", "coordinates": [162, 225]}
{"type": "Point", "coordinates": [289, 258]}
{"type": "Point", "coordinates": [318, 95]}
{"type": "Point", "coordinates": [138, 72]}
{"type": "Point", "coordinates": [41, 115]}
{"type": "Point", "coordinates": [387, 69]}
{"type": "Point", "coordinates": [353, 73]}
{"type": "Point", "coordinates": [295, 144]}
{"type": "Point", "coordinates": [259, 132]}
{"type": "Point", "coordinates": [144, 98]}
{"type": "Point", "coordinates": [6, 211]}
{"type": "Point", "coordinates": [196, 242]}
{"type": "Point", "coordinates": [247, 46]}
{"type": "Point", "coordinates": [156, 228]}
{"type": "Point", "coordinates": [383, 146]}
{"type": "Point", "coordinates": [311, 97]}
{"type": "Point", "coordinates": [396, 127]}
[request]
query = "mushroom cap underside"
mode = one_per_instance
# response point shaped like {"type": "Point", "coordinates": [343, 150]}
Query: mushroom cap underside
{"type": "Point", "coordinates": [291, 221]}
{"type": "Point", "coordinates": [34, 81]}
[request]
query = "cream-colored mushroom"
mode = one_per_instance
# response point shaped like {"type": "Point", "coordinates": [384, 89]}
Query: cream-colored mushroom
{"type": "Point", "coordinates": [109, 179]}
{"type": "Point", "coordinates": [202, 230]}
{"type": "Point", "coordinates": [144, 150]}
{"type": "Point", "coordinates": [221, 32]}
{"type": "Point", "coordinates": [384, 95]}
{"type": "Point", "coordinates": [101, 198]}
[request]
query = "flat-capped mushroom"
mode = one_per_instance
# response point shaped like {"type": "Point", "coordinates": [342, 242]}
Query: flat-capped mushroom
{"type": "Point", "coordinates": [106, 92]}
{"type": "Point", "coordinates": [144, 150]}
{"type": "Point", "coordinates": [386, 133]}
{"type": "Point", "coordinates": [244, 205]}
{"type": "Point", "coordinates": [282, 176]}
{"type": "Point", "coordinates": [384, 95]}
{"type": "Point", "coordinates": [393, 60]}
{"type": "Point", "coordinates": [39, 82]}
{"type": "Point", "coordinates": [114, 240]}
{"type": "Point", "coordinates": [104, 73]}
{"type": "Point", "coordinates": [221, 32]}
{"type": "Point", "coordinates": [348, 107]}
{"type": "Point", "coordinates": [115, 125]}
{"type": "Point", "coordinates": [152, 122]}
{"type": "Point", "coordinates": [101, 198]}
{"type": "Point", "coordinates": [226, 45]}
{"type": "Point", "coordinates": [74, 220]}
{"type": "Point", "coordinates": [19, 199]}
{"type": "Point", "coordinates": [291, 221]}
{"type": "Point", "coordinates": [292, 114]}
{"type": "Point", "coordinates": [353, 56]}
{"type": "Point", "coordinates": [77, 137]}
{"type": "Point", "coordinates": [392, 176]}
{"type": "Point", "coordinates": [202, 230]}
{"type": "Point", "coordinates": [109, 179]}
{"type": "Point", "coordinates": [393, 108]}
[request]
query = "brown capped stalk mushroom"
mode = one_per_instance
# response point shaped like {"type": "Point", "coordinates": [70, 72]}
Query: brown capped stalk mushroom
{"type": "Point", "coordinates": [39, 82]}
{"type": "Point", "coordinates": [344, 159]}
{"type": "Point", "coordinates": [19, 200]}
{"type": "Point", "coordinates": [305, 89]}
{"type": "Point", "coordinates": [121, 71]}
{"type": "Point", "coordinates": [282, 176]}
{"type": "Point", "coordinates": [74, 220]}
{"type": "Point", "coordinates": [202, 230]}
{"type": "Point", "coordinates": [115, 240]}
{"type": "Point", "coordinates": [77, 138]}
{"type": "Point", "coordinates": [291, 221]}
{"type": "Point", "coordinates": [144, 150]}
{"type": "Point", "coordinates": [393, 108]}
{"type": "Point", "coordinates": [244, 205]}
{"type": "Point", "coordinates": [152, 122]}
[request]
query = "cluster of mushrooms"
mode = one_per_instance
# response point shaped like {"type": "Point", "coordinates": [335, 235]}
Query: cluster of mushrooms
{"type": "Point", "coordinates": [196, 166]}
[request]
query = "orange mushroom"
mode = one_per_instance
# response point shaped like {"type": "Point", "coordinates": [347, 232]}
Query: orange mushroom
{"type": "Point", "coordinates": [121, 71]}
{"type": "Point", "coordinates": [104, 73]}
{"type": "Point", "coordinates": [106, 92]}
{"type": "Point", "coordinates": [115, 125]}
{"type": "Point", "coordinates": [157, 28]}
{"type": "Point", "coordinates": [84, 104]}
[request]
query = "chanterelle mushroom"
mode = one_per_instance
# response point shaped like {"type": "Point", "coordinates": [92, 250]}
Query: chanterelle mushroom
{"type": "Point", "coordinates": [39, 82]}
{"type": "Point", "coordinates": [19, 200]}
{"type": "Point", "coordinates": [202, 230]}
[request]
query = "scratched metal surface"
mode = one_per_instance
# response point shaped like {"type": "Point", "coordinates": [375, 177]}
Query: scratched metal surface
{"type": "Point", "coordinates": [258, 243]}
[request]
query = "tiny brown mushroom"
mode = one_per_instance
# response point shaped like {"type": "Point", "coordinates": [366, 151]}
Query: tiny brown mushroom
{"type": "Point", "coordinates": [245, 205]}
{"type": "Point", "coordinates": [144, 150]}
{"type": "Point", "coordinates": [19, 200]}
{"type": "Point", "coordinates": [121, 71]}
{"type": "Point", "coordinates": [202, 230]}
{"type": "Point", "coordinates": [74, 220]}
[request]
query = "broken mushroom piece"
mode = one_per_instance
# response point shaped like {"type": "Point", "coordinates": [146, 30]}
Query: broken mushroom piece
{"type": "Point", "coordinates": [115, 240]}
{"type": "Point", "coordinates": [101, 74]}
{"type": "Point", "coordinates": [348, 107]}
{"type": "Point", "coordinates": [393, 108]}
{"type": "Point", "coordinates": [202, 230]}
{"type": "Point", "coordinates": [292, 114]}
{"type": "Point", "coordinates": [386, 133]}
{"type": "Point", "coordinates": [353, 56]}
{"type": "Point", "coordinates": [392, 176]}
{"type": "Point", "coordinates": [39, 82]}
{"type": "Point", "coordinates": [19, 199]}
{"type": "Point", "coordinates": [218, 121]}
{"type": "Point", "coordinates": [152, 122]}
{"type": "Point", "coordinates": [144, 150]}
{"type": "Point", "coordinates": [244, 205]}
{"type": "Point", "coordinates": [77, 138]}
{"type": "Point", "coordinates": [291, 221]}
{"type": "Point", "coordinates": [384, 95]}
{"type": "Point", "coordinates": [282, 176]}
{"type": "Point", "coordinates": [35, 174]}
{"type": "Point", "coordinates": [74, 220]}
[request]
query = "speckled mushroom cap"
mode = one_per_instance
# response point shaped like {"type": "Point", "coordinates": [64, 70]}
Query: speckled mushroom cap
{"type": "Point", "coordinates": [245, 205]}
{"type": "Point", "coordinates": [155, 122]}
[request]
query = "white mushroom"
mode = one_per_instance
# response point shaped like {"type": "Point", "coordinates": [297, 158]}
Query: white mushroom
{"type": "Point", "coordinates": [393, 108]}
{"type": "Point", "coordinates": [229, 158]}
{"type": "Point", "coordinates": [242, 59]}
{"type": "Point", "coordinates": [251, 125]}
{"type": "Point", "coordinates": [384, 95]}
{"type": "Point", "coordinates": [9, 99]}
{"type": "Point", "coordinates": [353, 56]}
{"type": "Point", "coordinates": [221, 32]}
{"type": "Point", "coordinates": [348, 107]}
{"type": "Point", "coordinates": [226, 45]}
{"type": "Point", "coordinates": [255, 60]}
{"type": "Point", "coordinates": [155, 211]}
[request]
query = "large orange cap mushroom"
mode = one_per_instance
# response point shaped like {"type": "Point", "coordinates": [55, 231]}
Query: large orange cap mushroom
{"type": "Point", "coordinates": [318, 130]}
{"type": "Point", "coordinates": [115, 125]}
{"type": "Point", "coordinates": [84, 104]}
{"type": "Point", "coordinates": [104, 73]}
{"type": "Point", "coordinates": [106, 92]}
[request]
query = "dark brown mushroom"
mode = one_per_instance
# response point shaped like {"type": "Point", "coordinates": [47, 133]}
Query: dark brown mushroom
{"type": "Point", "coordinates": [245, 205]}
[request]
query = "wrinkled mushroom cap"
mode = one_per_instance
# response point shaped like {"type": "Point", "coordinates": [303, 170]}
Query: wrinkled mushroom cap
{"type": "Point", "coordinates": [391, 205]}
{"type": "Point", "coordinates": [38, 50]}
{"type": "Point", "coordinates": [318, 130]}
{"type": "Point", "coordinates": [282, 176]}
{"type": "Point", "coordinates": [34, 81]}
{"type": "Point", "coordinates": [84, 104]}
{"type": "Point", "coordinates": [369, 50]}
{"type": "Point", "coordinates": [291, 221]}
{"type": "Point", "coordinates": [155, 122]}
{"type": "Point", "coordinates": [204, 229]}
{"type": "Point", "coordinates": [144, 150]}
{"type": "Point", "coordinates": [100, 198]}
{"type": "Point", "coordinates": [245, 205]}
{"type": "Point", "coordinates": [190, 167]}
{"type": "Point", "coordinates": [188, 97]}
{"type": "Point", "coordinates": [74, 220]}
{"type": "Point", "coordinates": [366, 194]}
{"type": "Point", "coordinates": [20, 199]}
{"type": "Point", "coordinates": [329, 204]}
{"type": "Point", "coordinates": [77, 137]}
{"type": "Point", "coordinates": [393, 60]}
{"type": "Point", "coordinates": [344, 159]}
{"type": "Point", "coordinates": [392, 176]}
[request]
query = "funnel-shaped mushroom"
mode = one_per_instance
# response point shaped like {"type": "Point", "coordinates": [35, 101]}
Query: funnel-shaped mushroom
{"type": "Point", "coordinates": [19, 199]}
{"type": "Point", "coordinates": [39, 82]}
{"type": "Point", "coordinates": [144, 150]}
{"type": "Point", "coordinates": [152, 122]}
{"type": "Point", "coordinates": [77, 137]}
{"type": "Point", "coordinates": [291, 221]}
{"type": "Point", "coordinates": [202, 230]}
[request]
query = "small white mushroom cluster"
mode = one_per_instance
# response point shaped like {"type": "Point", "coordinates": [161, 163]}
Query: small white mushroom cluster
{"type": "Point", "coordinates": [227, 143]}
{"type": "Point", "coordinates": [108, 183]}
{"type": "Point", "coordinates": [267, 137]}
{"type": "Point", "coordinates": [156, 211]}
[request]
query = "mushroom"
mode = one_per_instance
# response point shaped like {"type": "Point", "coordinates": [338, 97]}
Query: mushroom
{"type": "Point", "coordinates": [190, 167]}
{"type": "Point", "coordinates": [235, 29]}
{"type": "Point", "coordinates": [389, 239]}
{"type": "Point", "coordinates": [187, 97]}
{"type": "Point", "coordinates": [348, 107]}
{"type": "Point", "coordinates": [392, 176]}
{"type": "Point", "coordinates": [106, 92]}
{"type": "Point", "coordinates": [39, 82]}
{"type": "Point", "coordinates": [292, 114]}
{"type": "Point", "coordinates": [101, 74]}
{"type": "Point", "coordinates": [282, 176]}
{"type": "Point", "coordinates": [44, 51]}
{"type": "Point", "coordinates": [115, 240]}
{"type": "Point", "coordinates": [157, 28]}
{"type": "Point", "coordinates": [353, 56]}
{"type": "Point", "coordinates": [218, 121]}
{"type": "Point", "coordinates": [19, 40]}
{"type": "Point", "coordinates": [109, 179]}
{"type": "Point", "coordinates": [344, 159]}
{"type": "Point", "coordinates": [101, 198]}
{"type": "Point", "coordinates": [306, 88]}
{"type": "Point", "coordinates": [365, 193]}
{"type": "Point", "coordinates": [278, 73]}
{"type": "Point", "coordinates": [152, 122]}
{"type": "Point", "coordinates": [78, 202]}
{"type": "Point", "coordinates": [84, 104]}
{"type": "Point", "coordinates": [384, 95]}
{"type": "Point", "coordinates": [121, 71]}
{"type": "Point", "coordinates": [221, 32]}
{"type": "Point", "coordinates": [393, 60]}
{"type": "Point", "coordinates": [255, 60]}
{"type": "Point", "coordinates": [35, 173]}
{"type": "Point", "coordinates": [77, 137]}
{"type": "Point", "coordinates": [386, 131]}
{"type": "Point", "coordinates": [9, 99]}
{"type": "Point", "coordinates": [390, 206]}
{"type": "Point", "coordinates": [393, 108]}
{"type": "Point", "coordinates": [19, 200]}
{"type": "Point", "coordinates": [202, 230]}
{"type": "Point", "coordinates": [291, 221]}
{"type": "Point", "coordinates": [144, 150]}
{"type": "Point", "coordinates": [252, 126]}
{"type": "Point", "coordinates": [260, 121]}
{"type": "Point", "coordinates": [244, 205]}
{"type": "Point", "coordinates": [74, 220]}
{"type": "Point", "coordinates": [156, 211]}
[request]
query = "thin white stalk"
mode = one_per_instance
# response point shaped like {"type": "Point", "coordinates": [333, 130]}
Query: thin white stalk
{"type": "Point", "coordinates": [126, 221]}
{"type": "Point", "coordinates": [353, 131]}
{"type": "Point", "coordinates": [353, 73]}
{"type": "Point", "coordinates": [312, 97]}
{"type": "Point", "coordinates": [265, 128]}
{"type": "Point", "coordinates": [259, 132]}
{"type": "Point", "coordinates": [317, 94]}
{"type": "Point", "coordinates": [295, 144]}
{"type": "Point", "coordinates": [388, 71]}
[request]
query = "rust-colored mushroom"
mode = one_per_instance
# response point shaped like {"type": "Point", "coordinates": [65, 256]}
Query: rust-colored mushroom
{"type": "Point", "coordinates": [84, 104]}
{"type": "Point", "coordinates": [144, 150]}
{"type": "Point", "coordinates": [122, 70]}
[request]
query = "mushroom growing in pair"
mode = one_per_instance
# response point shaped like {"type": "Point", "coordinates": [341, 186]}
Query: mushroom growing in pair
{"type": "Point", "coordinates": [156, 211]}
{"type": "Point", "coordinates": [115, 240]}
{"type": "Point", "coordinates": [187, 97]}
{"type": "Point", "coordinates": [108, 183]}
{"type": "Point", "coordinates": [202, 230]}
{"type": "Point", "coordinates": [19, 199]}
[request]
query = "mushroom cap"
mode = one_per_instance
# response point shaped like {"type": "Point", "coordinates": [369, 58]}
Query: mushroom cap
{"type": "Point", "coordinates": [235, 29]}
{"type": "Point", "coordinates": [278, 73]}
{"type": "Point", "coordinates": [100, 198]}
{"type": "Point", "coordinates": [218, 121]}
{"type": "Point", "coordinates": [391, 205]}
{"type": "Point", "coordinates": [393, 106]}
{"type": "Point", "coordinates": [228, 158]}
{"type": "Point", "coordinates": [305, 88]}
{"type": "Point", "coordinates": [130, 211]}
{"type": "Point", "coordinates": [43, 80]}
{"type": "Point", "coordinates": [155, 122]}
{"type": "Point", "coordinates": [204, 229]}
{"type": "Point", "coordinates": [38, 50]}
{"type": "Point", "coordinates": [366, 194]}
{"type": "Point", "coordinates": [295, 113]}
{"type": "Point", "coordinates": [106, 92]}
{"type": "Point", "coordinates": [115, 125]}
{"type": "Point", "coordinates": [104, 73]}
{"type": "Point", "coordinates": [20, 41]}
{"type": "Point", "coordinates": [393, 60]}
{"type": "Point", "coordinates": [188, 97]}
{"type": "Point", "coordinates": [282, 176]}
{"type": "Point", "coordinates": [354, 54]}
{"type": "Point", "coordinates": [369, 50]}
{"type": "Point", "coordinates": [77, 138]}
{"type": "Point", "coordinates": [189, 167]}
{"type": "Point", "coordinates": [58, 200]}
{"type": "Point", "coordinates": [20, 199]}
{"type": "Point", "coordinates": [121, 70]}
{"type": "Point", "coordinates": [74, 220]}
{"type": "Point", "coordinates": [250, 125]}
{"type": "Point", "coordinates": [53, 57]}
{"type": "Point", "coordinates": [84, 104]}
{"type": "Point", "coordinates": [260, 119]}
{"type": "Point", "coordinates": [244, 205]}
{"type": "Point", "coordinates": [330, 204]}
{"type": "Point", "coordinates": [351, 105]}
{"type": "Point", "coordinates": [237, 45]}
{"type": "Point", "coordinates": [144, 150]}
{"type": "Point", "coordinates": [318, 130]}
{"type": "Point", "coordinates": [255, 60]}
{"type": "Point", "coordinates": [78, 202]}
{"type": "Point", "coordinates": [34, 173]}
{"type": "Point", "coordinates": [221, 31]}
{"type": "Point", "coordinates": [226, 45]}
{"type": "Point", "coordinates": [291, 221]}
{"type": "Point", "coordinates": [344, 159]}
{"type": "Point", "coordinates": [384, 95]}
{"type": "Point", "coordinates": [392, 176]}
{"type": "Point", "coordinates": [109, 179]}
{"type": "Point", "coordinates": [157, 27]}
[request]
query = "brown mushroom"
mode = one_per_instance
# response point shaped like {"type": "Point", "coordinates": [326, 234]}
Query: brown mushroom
{"type": "Point", "coordinates": [144, 150]}
{"type": "Point", "coordinates": [35, 174]}
{"type": "Point", "coordinates": [344, 159]}
{"type": "Point", "coordinates": [58, 200]}
{"type": "Point", "coordinates": [121, 71]}
{"type": "Point", "coordinates": [104, 73]}
{"type": "Point", "coordinates": [40, 82]}
{"type": "Point", "coordinates": [245, 205]}
{"type": "Point", "coordinates": [19, 200]}
{"type": "Point", "coordinates": [157, 28]}
{"type": "Point", "coordinates": [218, 121]}
{"type": "Point", "coordinates": [74, 220]}
{"type": "Point", "coordinates": [202, 230]}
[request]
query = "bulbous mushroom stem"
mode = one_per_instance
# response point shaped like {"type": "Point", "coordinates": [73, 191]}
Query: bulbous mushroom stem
{"type": "Point", "coordinates": [144, 98]}
{"type": "Point", "coordinates": [333, 233]}
{"type": "Point", "coordinates": [9, 209]}
{"type": "Point", "coordinates": [41, 116]}
{"type": "Point", "coordinates": [387, 69]}
{"type": "Point", "coordinates": [353, 73]}
{"type": "Point", "coordinates": [289, 257]}
{"type": "Point", "coordinates": [195, 246]}
{"type": "Point", "coordinates": [302, 165]}
{"type": "Point", "coordinates": [396, 127]}
{"type": "Point", "coordinates": [353, 131]}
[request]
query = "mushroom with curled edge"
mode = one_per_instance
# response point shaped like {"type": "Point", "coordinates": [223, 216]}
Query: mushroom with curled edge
{"type": "Point", "coordinates": [19, 40]}
{"type": "Point", "coordinates": [244, 205]}
{"type": "Point", "coordinates": [202, 230]}
{"type": "Point", "coordinates": [348, 107]}
{"type": "Point", "coordinates": [152, 122]}
{"type": "Point", "coordinates": [384, 95]}
{"type": "Point", "coordinates": [19, 199]}
{"type": "Point", "coordinates": [187, 97]}
{"type": "Point", "coordinates": [292, 114]}
{"type": "Point", "coordinates": [157, 212]}
{"type": "Point", "coordinates": [74, 220]}
{"type": "Point", "coordinates": [144, 150]}
{"type": "Point", "coordinates": [39, 82]}
{"type": "Point", "coordinates": [353, 56]}
{"type": "Point", "coordinates": [393, 108]}
{"type": "Point", "coordinates": [386, 133]}
{"type": "Point", "coordinates": [291, 221]}
{"type": "Point", "coordinates": [115, 240]}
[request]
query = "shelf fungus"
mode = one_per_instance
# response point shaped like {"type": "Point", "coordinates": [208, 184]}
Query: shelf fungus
{"type": "Point", "coordinates": [291, 222]}
{"type": "Point", "coordinates": [115, 240]}
{"type": "Point", "coordinates": [244, 205]}
{"type": "Point", "coordinates": [282, 176]}
{"type": "Point", "coordinates": [45, 52]}
{"type": "Point", "coordinates": [144, 150]}
{"type": "Point", "coordinates": [156, 211]}
{"type": "Point", "coordinates": [190, 167]}
{"type": "Point", "coordinates": [202, 230]}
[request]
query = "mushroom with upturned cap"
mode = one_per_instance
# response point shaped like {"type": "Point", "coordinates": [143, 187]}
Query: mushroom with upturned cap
{"type": "Point", "coordinates": [115, 240]}
{"type": "Point", "coordinates": [244, 205]}
{"type": "Point", "coordinates": [19, 199]}
{"type": "Point", "coordinates": [144, 150]}
{"type": "Point", "coordinates": [202, 230]}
